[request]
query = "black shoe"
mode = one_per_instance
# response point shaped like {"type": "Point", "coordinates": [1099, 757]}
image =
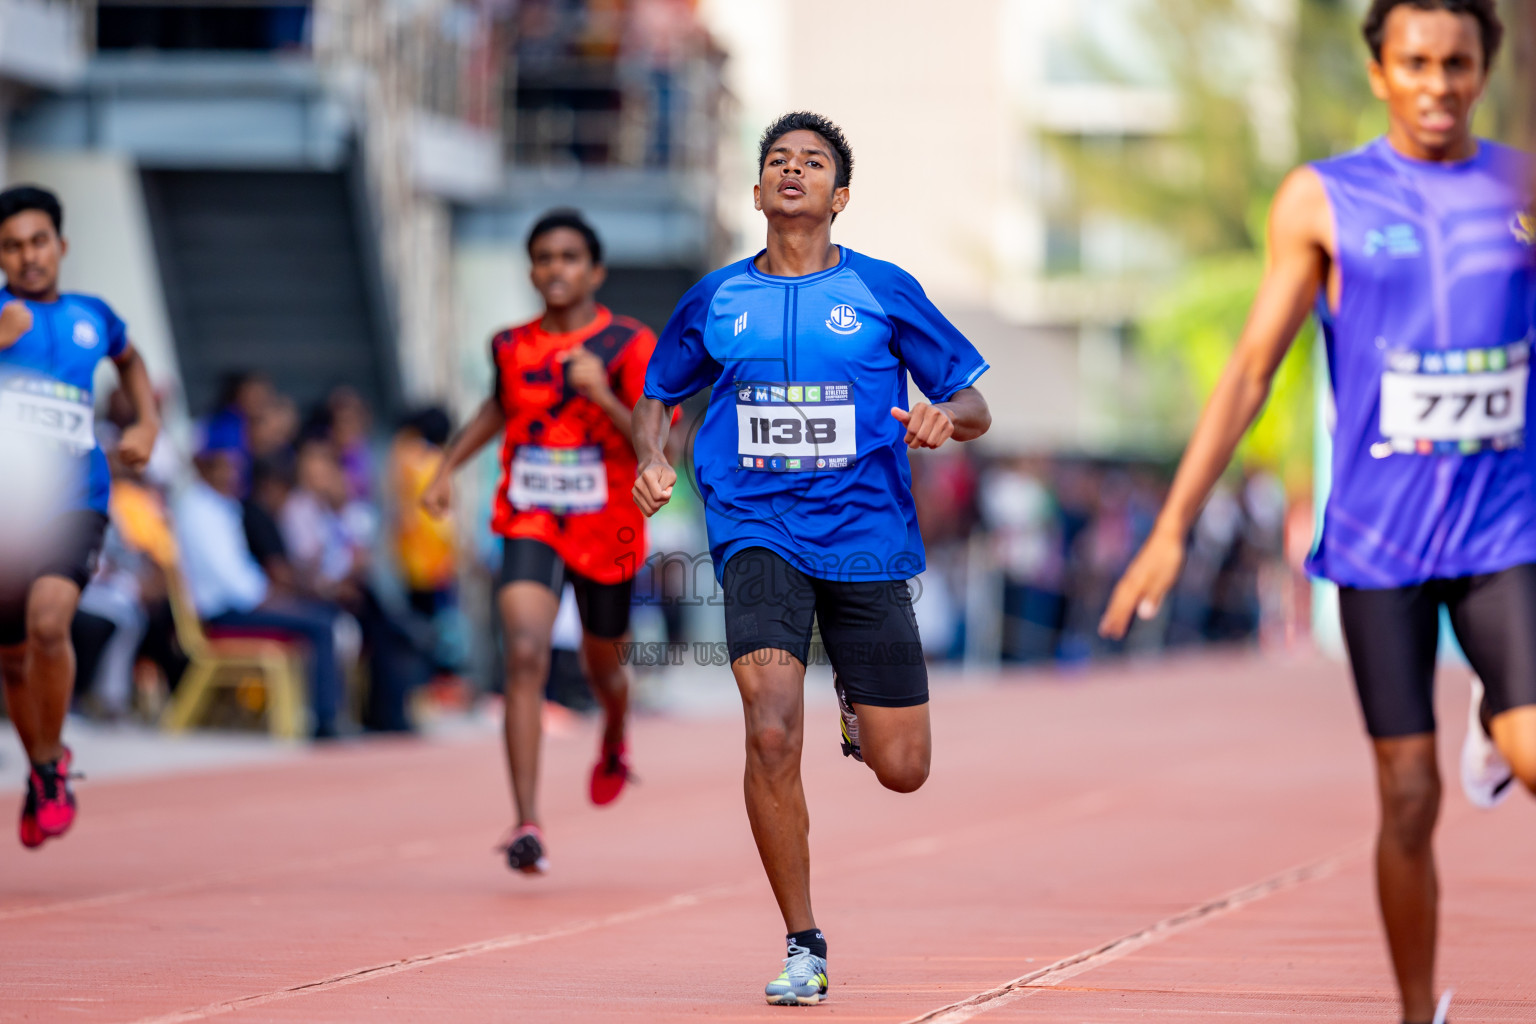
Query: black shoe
{"type": "Point", "coordinates": [525, 851]}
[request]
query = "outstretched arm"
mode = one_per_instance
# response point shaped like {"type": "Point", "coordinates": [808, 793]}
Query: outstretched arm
{"type": "Point", "coordinates": [138, 441]}
{"type": "Point", "coordinates": [650, 425]}
{"type": "Point", "coordinates": [487, 422]}
{"type": "Point", "coordinates": [1299, 230]}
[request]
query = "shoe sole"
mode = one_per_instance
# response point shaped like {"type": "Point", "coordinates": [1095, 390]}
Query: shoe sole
{"type": "Point", "coordinates": [790, 999]}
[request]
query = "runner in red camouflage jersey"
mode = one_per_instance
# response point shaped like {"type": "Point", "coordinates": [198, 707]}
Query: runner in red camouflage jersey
{"type": "Point", "coordinates": [565, 387]}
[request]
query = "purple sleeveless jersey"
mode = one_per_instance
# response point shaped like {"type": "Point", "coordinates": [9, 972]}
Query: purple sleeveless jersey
{"type": "Point", "coordinates": [1429, 354]}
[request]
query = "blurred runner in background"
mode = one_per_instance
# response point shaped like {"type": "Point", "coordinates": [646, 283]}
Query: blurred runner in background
{"type": "Point", "coordinates": [53, 513]}
{"type": "Point", "coordinates": [565, 385]}
{"type": "Point", "coordinates": [1416, 252]}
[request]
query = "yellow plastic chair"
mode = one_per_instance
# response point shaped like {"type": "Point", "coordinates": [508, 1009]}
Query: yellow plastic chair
{"type": "Point", "coordinates": [231, 662]}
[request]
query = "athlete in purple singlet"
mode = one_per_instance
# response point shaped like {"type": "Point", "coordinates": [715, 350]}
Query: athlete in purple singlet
{"type": "Point", "coordinates": [1417, 252]}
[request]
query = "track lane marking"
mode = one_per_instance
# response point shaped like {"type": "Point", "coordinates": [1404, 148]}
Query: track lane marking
{"type": "Point", "coordinates": [351, 858]}
{"type": "Point", "coordinates": [1088, 803]}
{"type": "Point", "coordinates": [1069, 967]}
{"type": "Point", "coordinates": [384, 970]}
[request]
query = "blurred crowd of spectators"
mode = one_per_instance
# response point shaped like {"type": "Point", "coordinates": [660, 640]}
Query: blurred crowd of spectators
{"type": "Point", "coordinates": [1050, 536]}
{"type": "Point", "coordinates": [303, 526]}
{"type": "Point", "coordinates": [283, 525]}
{"type": "Point", "coordinates": [604, 81]}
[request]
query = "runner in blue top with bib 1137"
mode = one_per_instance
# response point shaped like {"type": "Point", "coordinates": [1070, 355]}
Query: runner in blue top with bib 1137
{"type": "Point", "coordinates": [801, 462]}
{"type": "Point", "coordinates": [53, 509]}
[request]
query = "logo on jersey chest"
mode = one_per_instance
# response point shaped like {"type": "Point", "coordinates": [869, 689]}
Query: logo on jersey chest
{"type": "Point", "coordinates": [843, 320]}
{"type": "Point", "coordinates": [1397, 240]}
{"type": "Point", "coordinates": [1523, 226]}
{"type": "Point", "coordinates": [85, 334]}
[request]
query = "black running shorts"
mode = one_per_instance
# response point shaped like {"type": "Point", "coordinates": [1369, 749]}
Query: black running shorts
{"type": "Point", "coordinates": [70, 550]}
{"type": "Point", "coordinates": [604, 607]}
{"type": "Point", "coordinates": [868, 630]}
{"type": "Point", "coordinates": [1393, 638]}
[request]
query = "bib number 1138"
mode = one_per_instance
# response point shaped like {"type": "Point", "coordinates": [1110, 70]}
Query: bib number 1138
{"type": "Point", "coordinates": [795, 427]}
{"type": "Point", "coordinates": [792, 430]}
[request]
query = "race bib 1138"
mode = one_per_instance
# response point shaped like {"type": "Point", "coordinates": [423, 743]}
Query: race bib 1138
{"type": "Point", "coordinates": [1455, 401]}
{"type": "Point", "coordinates": [795, 427]}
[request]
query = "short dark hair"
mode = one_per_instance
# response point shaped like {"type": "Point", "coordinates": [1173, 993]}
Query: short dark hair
{"type": "Point", "coordinates": [1485, 11]}
{"type": "Point", "coordinates": [805, 121]}
{"type": "Point", "coordinates": [554, 220]}
{"type": "Point", "coordinates": [29, 197]}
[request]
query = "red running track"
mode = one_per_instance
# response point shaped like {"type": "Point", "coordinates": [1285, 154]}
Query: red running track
{"type": "Point", "coordinates": [1185, 841]}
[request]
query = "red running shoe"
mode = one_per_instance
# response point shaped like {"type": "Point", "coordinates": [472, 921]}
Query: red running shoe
{"type": "Point", "coordinates": [610, 775]}
{"type": "Point", "coordinates": [50, 807]}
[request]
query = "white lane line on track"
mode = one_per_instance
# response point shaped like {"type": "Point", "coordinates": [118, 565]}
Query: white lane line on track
{"type": "Point", "coordinates": [513, 941]}
{"type": "Point", "coordinates": [241, 875]}
{"type": "Point", "coordinates": [1078, 963]}
{"type": "Point", "coordinates": [918, 848]}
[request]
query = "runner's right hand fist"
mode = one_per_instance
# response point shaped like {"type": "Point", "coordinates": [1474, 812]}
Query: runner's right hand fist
{"type": "Point", "coordinates": [653, 487]}
{"type": "Point", "coordinates": [15, 320]}
{"type": "Point", "coordinates": [438, 497]}
{"type": "Point", "coordinates": [1140, 592]}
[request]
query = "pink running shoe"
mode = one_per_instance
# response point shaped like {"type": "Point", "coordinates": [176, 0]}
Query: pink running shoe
{"type": "Point", "coordinates": [50, 807]}
{"type": "Point", "coordinates": [610, 775]}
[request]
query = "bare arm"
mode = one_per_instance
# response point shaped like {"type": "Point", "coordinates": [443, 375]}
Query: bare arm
{"type": "Point", "coordinates": [1297, 267]}
{"type": "Point", "coordinates": [138, 441]}
{"type": "Point", "coordinates": [965, 417]}
{"type": "Point", "coordinates": [650, 425]}
{"type": "Point", "coordinates": [486, 423]}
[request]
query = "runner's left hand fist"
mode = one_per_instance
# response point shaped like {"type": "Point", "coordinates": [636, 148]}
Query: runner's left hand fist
{"type": "Point", "coordinates": [137, 443]}
{"type": "Point", "coordinates": [584, 372]}
{"type": "Point", "coordinates": [928, 426]}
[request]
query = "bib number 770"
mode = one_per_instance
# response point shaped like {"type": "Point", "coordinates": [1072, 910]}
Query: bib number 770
{"type": "Point", "coordinates": [1454, 406]}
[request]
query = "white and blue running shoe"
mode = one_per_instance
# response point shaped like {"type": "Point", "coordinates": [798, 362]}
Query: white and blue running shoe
{"type": "Point", "coordinates": [803, 982]}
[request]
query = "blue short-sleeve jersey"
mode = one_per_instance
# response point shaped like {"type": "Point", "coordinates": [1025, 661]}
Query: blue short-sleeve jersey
{"type": "Point", "coordinates": [57, 359]}
{"type": "Point", "coordinates": [798, 451]}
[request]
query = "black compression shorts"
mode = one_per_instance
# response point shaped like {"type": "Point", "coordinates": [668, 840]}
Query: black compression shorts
{"type": "Point", "coordinates": [868, 629]}
{"type": "Point", "coordinates": [604, 607]}
{"type": "Point", "coordinates": [70, 549]}
{"type": "Point", "coordinates": [1393, 639]}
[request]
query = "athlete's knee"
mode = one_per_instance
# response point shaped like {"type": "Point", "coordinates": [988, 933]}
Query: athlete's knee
{"type": "Point", "coordinates": [527, 657]}
{"type": "Point", "coordinates": [773, 745]}
{"type": "Point", "coordinates": [1522, 762]}
{"type": "Point", "coordinates": [1410, 807]}
{"type": "Point", "coordinates": [905, 776]}
{"type": "Point", "coordinates": [48, 624]}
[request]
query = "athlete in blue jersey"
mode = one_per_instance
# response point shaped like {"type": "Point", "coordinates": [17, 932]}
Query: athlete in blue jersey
{"type": "Point", "coordinates": [53, 507]}
{"type": "Point", "coordinates": [802, 465]}
{"type": "Point", "coordinates": [1417, 251]}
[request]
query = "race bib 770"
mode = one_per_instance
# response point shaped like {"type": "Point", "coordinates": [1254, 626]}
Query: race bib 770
{"type": "Point", "coordinates": [795, 427]}
{"type": "Point", "coordinates": [1455, 401]}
